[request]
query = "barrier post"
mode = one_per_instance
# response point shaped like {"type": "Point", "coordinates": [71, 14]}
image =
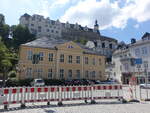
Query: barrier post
{"type": "Point", "coordinates": [23, 98]}
{"type": "Point", "coordinates": [92, 98]}
{"type": "Point", "coordinates": [48, 103]}
{"type": "Point", "coordinates": [3, 95]}
{"type": "Point", "coordinates": [60, 96]}
{"type": "Point", "coordinates": [140, 93]}
{"type": "Point", "coordinates": [5, 106]}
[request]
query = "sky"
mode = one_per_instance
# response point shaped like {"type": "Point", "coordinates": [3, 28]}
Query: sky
{"type": "Point", "coordinates": [119, 19]}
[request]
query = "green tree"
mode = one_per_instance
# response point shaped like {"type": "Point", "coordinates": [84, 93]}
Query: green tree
{"type": "Point", "coordinates": [2, 19]}
{"type": "Point", "coordinates": [21, 35]}
{"type": "Point", "coordinates": [7, 60]}
{"type": "Point", "coordinates": [4, 31]}
{"type": "Point", "coordinates": [81, 41]}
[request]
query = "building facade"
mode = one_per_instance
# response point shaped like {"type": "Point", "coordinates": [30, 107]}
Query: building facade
{"type": "Point", "coordinates": [132, 60]}
{"type": "Point", "coordinates": [104, 45]}
{"type": "Point", "coordinates": [59, 59]}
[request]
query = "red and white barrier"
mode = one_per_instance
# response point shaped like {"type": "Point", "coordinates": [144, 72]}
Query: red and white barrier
{"type": "Point", "coordinates": [59, 93]}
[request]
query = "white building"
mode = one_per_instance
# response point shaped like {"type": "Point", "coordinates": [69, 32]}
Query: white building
{"type": "Point", "coordinates": [41, 26]}
{"type": "Point", "coordinates": [125, 61]}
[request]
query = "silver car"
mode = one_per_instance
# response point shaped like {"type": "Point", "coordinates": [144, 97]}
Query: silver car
{"type": "Point", "coordinates": [145, 86]}
{"type": "Point", "coordinates": [38, 82]}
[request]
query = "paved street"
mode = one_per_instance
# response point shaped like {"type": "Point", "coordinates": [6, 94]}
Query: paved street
{"type": "Point", "coordinates": [102, 106]}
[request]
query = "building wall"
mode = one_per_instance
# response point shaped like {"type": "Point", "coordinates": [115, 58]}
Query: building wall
{"type": "Point", "coordinates": [42, 27]}
{"type": "Point", "coordinates": [56, 65]}
{"type": "Point", "coordinates": [142, 50]}
{"type": "Point", "coordinates": [139, 49]}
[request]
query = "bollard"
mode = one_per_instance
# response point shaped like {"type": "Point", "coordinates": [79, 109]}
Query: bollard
{"type": "Point", "coordinates": [93, 102]}
{"type": "Point", "coordinates": [5, 107]}
{"type": "Point", "coordinates": [22, 105]}
{"type": "Point", "coordinates": [60, 96]}
{"type": "Point", "coordinates": [92, 98]}
{"type": "Point", "coordinates": [85, 101]}
{"type": "Point", "coordinates": [60, 104]}
{"type": "Point", "coordinates": [48, 103]}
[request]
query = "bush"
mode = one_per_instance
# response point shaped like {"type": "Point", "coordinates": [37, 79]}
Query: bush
{"type": "Point", "coordinates": [25, 82]}
{"type": "Point", "coordinates": [53, 82]}
{"type": "Point", "coordinates": [12, 74]}
{"type": "Point", "coordinates": [14, 83]}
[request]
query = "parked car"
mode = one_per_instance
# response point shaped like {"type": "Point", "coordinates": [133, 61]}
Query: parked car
{"type": "Point", "coordinates": [145, 86]}
{"type": "Point", "coordinates": [38, 82]}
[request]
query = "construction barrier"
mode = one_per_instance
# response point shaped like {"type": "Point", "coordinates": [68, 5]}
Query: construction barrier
{"type": "Point", "coordinates": [145, 94]}
{"type": "Point", "coordinates": [22, 95]}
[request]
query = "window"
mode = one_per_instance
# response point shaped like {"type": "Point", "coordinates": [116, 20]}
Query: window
{"type": "Point", "coordinates": [29, 72]}
{"type": "Point", "coordinates": [78, 59]}
{"type": "Point", "coordinates": [62, 58]}
{"type": "Point", "coordinates": [70, 46]}
{"type": "Point", "coordinates": [29, 55]}
{"type": "Point", "coordinates": [69, 74]}
{"type": "Point", "coordinates": [56, 31]}
{"type": "Point", "coordinates": [94, 61]}
{"type": "Point", "coordinates": [86, 74]}
{"type": "Point", "coordinates": [39, 73]}
{"type": "Point", "coordinates": [32, 24]}
{"type": "Point", "coordinates": [50, 56]}
{"type": "Point", "coordinates": [86, 60]}
{"type": "Point", "coordinates": [47, 30]}
{"type": "Point", "coordinates": [61, 73]}
{"type": "Point", "coordinates": [137, 51]}
{"type": "Point", "coordinates": [50, 73]}
{"type": "Point", "coordinates": [126, 67]}
{"type": "Point", "coordinates": [100, 61]}
{"type": "Point", "coordinates": [52, 31]}
{"type": "Point", "coordinates": [114, 74]}
{"type": "Point", "coordinates": [33, 18]}
{"type": "Point", "coordinates": [70, 59]}
{"type": "Point", "coordinates": [110, 46]}
{"type": "Point", "coordinates": [93, 74]}
{"type": "Point", "coordinates": [100, 74]}
{"type": "Point", "coordinates": [145, 63]}
{"type": "Point", "coordinates": [39, 28]}
{"type": "Point", "coordinates": [39, 19]}
{"type": "Point", "coordinates": [120, 67]}
{"type": "Point", "coordinates": [78, 74]}
{"type": "Point", "coordinates": [103, 45]}
{"type": "Point", "coordinates": [41, 54]}
{"type": "Point", "coordinates": [144, 50]}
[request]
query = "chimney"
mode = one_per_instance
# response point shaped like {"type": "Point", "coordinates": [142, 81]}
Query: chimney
{"type": "Point", "coordinates": [133, 40]}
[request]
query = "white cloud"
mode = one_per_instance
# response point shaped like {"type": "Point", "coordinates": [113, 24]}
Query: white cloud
{"type": "Point", "coordinates": [44, 8]}
{"type": "Point", "coordinates": [136, 26]}
{"type": "Point", "coordinates": [109, 14]}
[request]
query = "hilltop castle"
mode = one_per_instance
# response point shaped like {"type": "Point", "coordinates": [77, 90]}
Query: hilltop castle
{"type": "Point", "coordinates": [41, 26]}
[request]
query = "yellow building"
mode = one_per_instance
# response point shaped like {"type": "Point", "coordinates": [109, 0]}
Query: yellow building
{"type": "Point", "coordinates": [59, 59]}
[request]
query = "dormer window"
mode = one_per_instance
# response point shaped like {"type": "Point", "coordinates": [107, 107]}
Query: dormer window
{"type": "Point", "coordinates": [70, 46]}
{"type": "Point", "coordinates": [67, 25]}
{"type": "Point", "coordinates": [86, 28]}
{"type": "Point", "coordinates": [76, 26]}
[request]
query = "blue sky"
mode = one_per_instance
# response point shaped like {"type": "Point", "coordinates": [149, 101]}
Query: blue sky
{"type": "Point", "coordinates": [121, 19]}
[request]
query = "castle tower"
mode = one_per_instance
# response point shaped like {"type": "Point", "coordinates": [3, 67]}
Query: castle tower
{"type": "Point", "coordinates": [96, 27]}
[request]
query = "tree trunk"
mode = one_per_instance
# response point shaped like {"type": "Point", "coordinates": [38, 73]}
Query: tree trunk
{"type": "Point", "coordinates": [4, 77]}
